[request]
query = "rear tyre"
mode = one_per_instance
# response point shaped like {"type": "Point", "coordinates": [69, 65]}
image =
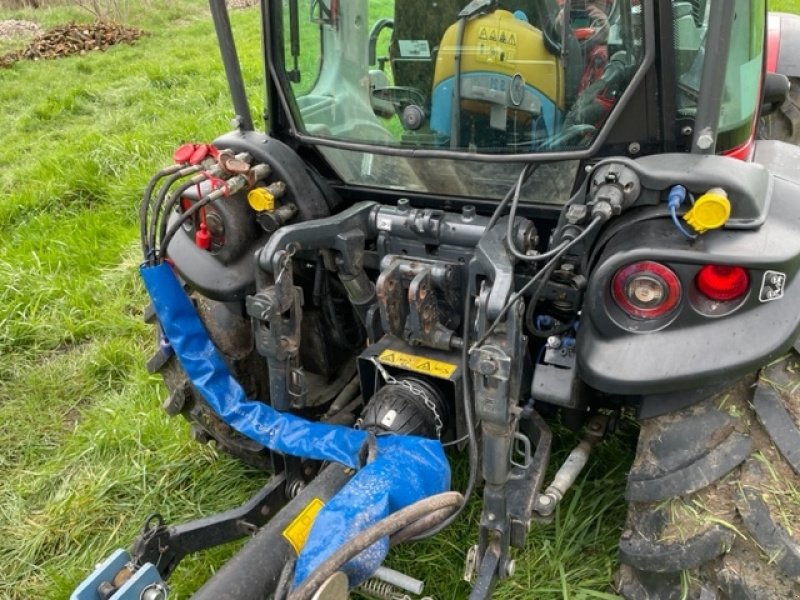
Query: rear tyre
{"type": "Point", "coordinates": [714, 496]}
{"type": "Point", "coordinates": [233, 337]}
{"type": "Point", "coordinates": [784, 123]}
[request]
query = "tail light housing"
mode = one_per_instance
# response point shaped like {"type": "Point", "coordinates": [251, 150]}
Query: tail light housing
{"type": "Point", "coordinates": [722, 283]}
{"type": "Point", "coordinates": [646, 290]}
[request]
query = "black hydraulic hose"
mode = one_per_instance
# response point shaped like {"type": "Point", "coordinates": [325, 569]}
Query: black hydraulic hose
{"type": "Point", "coordinates": [173, 199]}
{"type": "Point", "coordinates": [183, 218]}
{"type": "Point", "coordinates": [162, 194]}
{"type": "Point", "coordinates": [366, 538]}
{"type": "Point", "coordinates": [144, 208]}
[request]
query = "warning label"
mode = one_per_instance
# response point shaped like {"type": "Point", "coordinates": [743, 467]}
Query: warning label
{"type": "Point", "coordinates": [414, 48]}
{"type": "Point", "coordinates": [296, 533]}
{"type": "Point", "coordinates": [419, 364]}
{"type": "Point", "coordinates": [501, 36]}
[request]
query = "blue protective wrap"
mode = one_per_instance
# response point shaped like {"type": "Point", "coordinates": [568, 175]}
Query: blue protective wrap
{"type": "Point", "coordinates": [210, 376]}
{"type": "Point", "coordinates": [406, 468]}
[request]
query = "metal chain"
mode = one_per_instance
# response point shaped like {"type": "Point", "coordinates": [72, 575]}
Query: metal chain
{"type": "Point", "coordinates": [286, 261]}
{"type": "Point", "coordinates": [414, 389]}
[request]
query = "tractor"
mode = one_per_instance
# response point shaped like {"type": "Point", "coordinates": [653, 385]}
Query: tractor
{"type": "Point", "coordinates": [463, 222]}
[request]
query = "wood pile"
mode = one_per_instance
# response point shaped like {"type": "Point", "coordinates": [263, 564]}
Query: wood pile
{"type": "Point", "coordinates": [74, 38]}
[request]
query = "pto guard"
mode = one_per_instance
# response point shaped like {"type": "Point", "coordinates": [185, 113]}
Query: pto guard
{"type": "Point", "coordinates": [405, 468]}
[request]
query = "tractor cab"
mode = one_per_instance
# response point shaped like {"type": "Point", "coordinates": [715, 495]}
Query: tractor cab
{"type": "Point", "coordinates": [433, 96]}
{"type": "Point", "coordinates": [507, 78]}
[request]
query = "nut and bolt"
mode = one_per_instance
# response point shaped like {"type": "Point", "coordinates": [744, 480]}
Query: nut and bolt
{"type": "Point", "coordinates": [705, 141]}
{"type": "Point", "coordinates": [634, 148]}
{"type": "Point", "coordinates": [487, 366]}
{"type": "Point", "coordinates": [154, 592]}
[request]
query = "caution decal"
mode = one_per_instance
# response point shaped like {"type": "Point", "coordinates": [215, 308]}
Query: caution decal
{"type": "Point", "coordinates": [296, 533]}
{"type": "Point", "coordinates": [419, 364]}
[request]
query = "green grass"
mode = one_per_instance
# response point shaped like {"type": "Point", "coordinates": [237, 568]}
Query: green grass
{"type": "Point", "coordinates": [85, 450]}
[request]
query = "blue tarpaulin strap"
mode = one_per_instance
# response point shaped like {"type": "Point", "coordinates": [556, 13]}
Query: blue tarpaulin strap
{"type": "Point", "coordinates": [406, 468]}
{"type": "Point", "coordinates": [210, 376]}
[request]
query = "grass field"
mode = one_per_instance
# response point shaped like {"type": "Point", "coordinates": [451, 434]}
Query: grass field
{"type": "Point", "coordinates": [85, 450]}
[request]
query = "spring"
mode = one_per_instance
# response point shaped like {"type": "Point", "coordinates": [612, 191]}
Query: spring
{"type": "Point", "coordinates": [380, 590]}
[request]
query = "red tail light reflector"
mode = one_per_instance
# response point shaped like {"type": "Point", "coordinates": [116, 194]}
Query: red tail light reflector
{"type": "Point", "coordinates": [646, 290]}
{"type": "Point", "coordinates": [722, 283]}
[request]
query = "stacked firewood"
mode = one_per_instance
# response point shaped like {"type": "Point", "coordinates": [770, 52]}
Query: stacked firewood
{"type": "Point", "coordinates": [74, 38]}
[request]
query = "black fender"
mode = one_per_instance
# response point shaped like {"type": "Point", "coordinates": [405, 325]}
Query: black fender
{"type": "Point", "coordinates": [690, 349]}
{"type": "Point", "coordinates": [783, 44]}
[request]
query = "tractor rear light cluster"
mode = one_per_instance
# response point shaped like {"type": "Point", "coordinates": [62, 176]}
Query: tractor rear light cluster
{"type": "Point", "coordinates": [722, 283]}
{"type": "Point", "coordinates": [646, 290]}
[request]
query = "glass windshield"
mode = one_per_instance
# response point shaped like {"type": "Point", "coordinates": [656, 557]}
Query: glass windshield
{"type": "Point", "coordinates": [743, 66]}
{"type": "Point", "coordinates": [506, 77]}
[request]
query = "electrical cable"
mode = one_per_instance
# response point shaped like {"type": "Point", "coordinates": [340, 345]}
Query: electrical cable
{"type": "Point", "coordinates": [366, 538]}
{"type": "Point", "coordinates": [684, 232]}
{"type": "Point", "coordinates": [526, 171]}
{"type": "Point", "coordinates": [469, 423]}
{"type": "Point", "coordinates": [538, 276]}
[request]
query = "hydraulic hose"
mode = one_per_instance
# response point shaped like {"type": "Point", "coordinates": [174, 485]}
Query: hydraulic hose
{"type": "Point", "coordinates": [162, 194]}
{"type": "Point", "coordinates": [366, 538]}
{"type": "Point", "coordinates": [170, 204]}
{"type": "Point", "coordinates": [144, 208]}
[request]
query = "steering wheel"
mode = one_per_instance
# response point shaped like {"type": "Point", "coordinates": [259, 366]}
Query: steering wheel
{"type": "Point", "coordinates": [400, 96]}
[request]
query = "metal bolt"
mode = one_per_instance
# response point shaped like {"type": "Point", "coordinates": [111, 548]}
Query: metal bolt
{"type": "Point", "coordinates": [487, 366]}
{"type": "Point", "coordinates": [634, 148]}
{"type": "Point", "coordinates": [490, 517]}
{"type": "Point", "coordinates": [154, 592]}
{"type": "Point", "coordinates": [687, 130]}
{"type": "Point", "coordinates": [468, 213]}
{"type": "Point", "coordinates": [403, 204]}
{"type": "Point", "coordinates": [705, 141]}
{"type": "Point", "coordinates": [545, 500]}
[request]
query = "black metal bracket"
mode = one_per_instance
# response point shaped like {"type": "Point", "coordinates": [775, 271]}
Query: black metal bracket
{"type": "Point", "coordinates": [165, 546]}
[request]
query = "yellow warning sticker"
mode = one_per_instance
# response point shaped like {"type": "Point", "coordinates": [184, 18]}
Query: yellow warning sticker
{"type": "Point", "coordinates": [420, 364]}
{"type": "Point", "coordinates": [502, 36]}
{"type": "Point", "coordinates": [296, 533]}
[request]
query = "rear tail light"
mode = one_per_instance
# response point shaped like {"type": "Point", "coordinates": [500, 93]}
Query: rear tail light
{"type": "Point", "coordinates": [722, 283]}
{"type": "Point", "coordinates": [646, 290]}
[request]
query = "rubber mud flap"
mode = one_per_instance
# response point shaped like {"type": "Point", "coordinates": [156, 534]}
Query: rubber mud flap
{"type": "Point", "coordinates": [784, 552]}
{"type": "Point", "coordinates": [640, 547]}
{"type": "Point", "coordinates": [641, 585]}
{"type": "Point", "coordinates": [685, 452]}
{"type": "Point", "coordinates": [778, 422]}
{"type": "Point", "coordinates": [744, 576]}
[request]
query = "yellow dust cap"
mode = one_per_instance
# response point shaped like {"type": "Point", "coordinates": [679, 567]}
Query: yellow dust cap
{"type": "Point", "coordinates": [710, 211]}
{"type": "Point", "coordinates": [261, 199]}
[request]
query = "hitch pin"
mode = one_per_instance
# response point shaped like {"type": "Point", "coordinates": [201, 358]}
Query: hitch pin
{"type": "Point", "coordinates": [568, 472]}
